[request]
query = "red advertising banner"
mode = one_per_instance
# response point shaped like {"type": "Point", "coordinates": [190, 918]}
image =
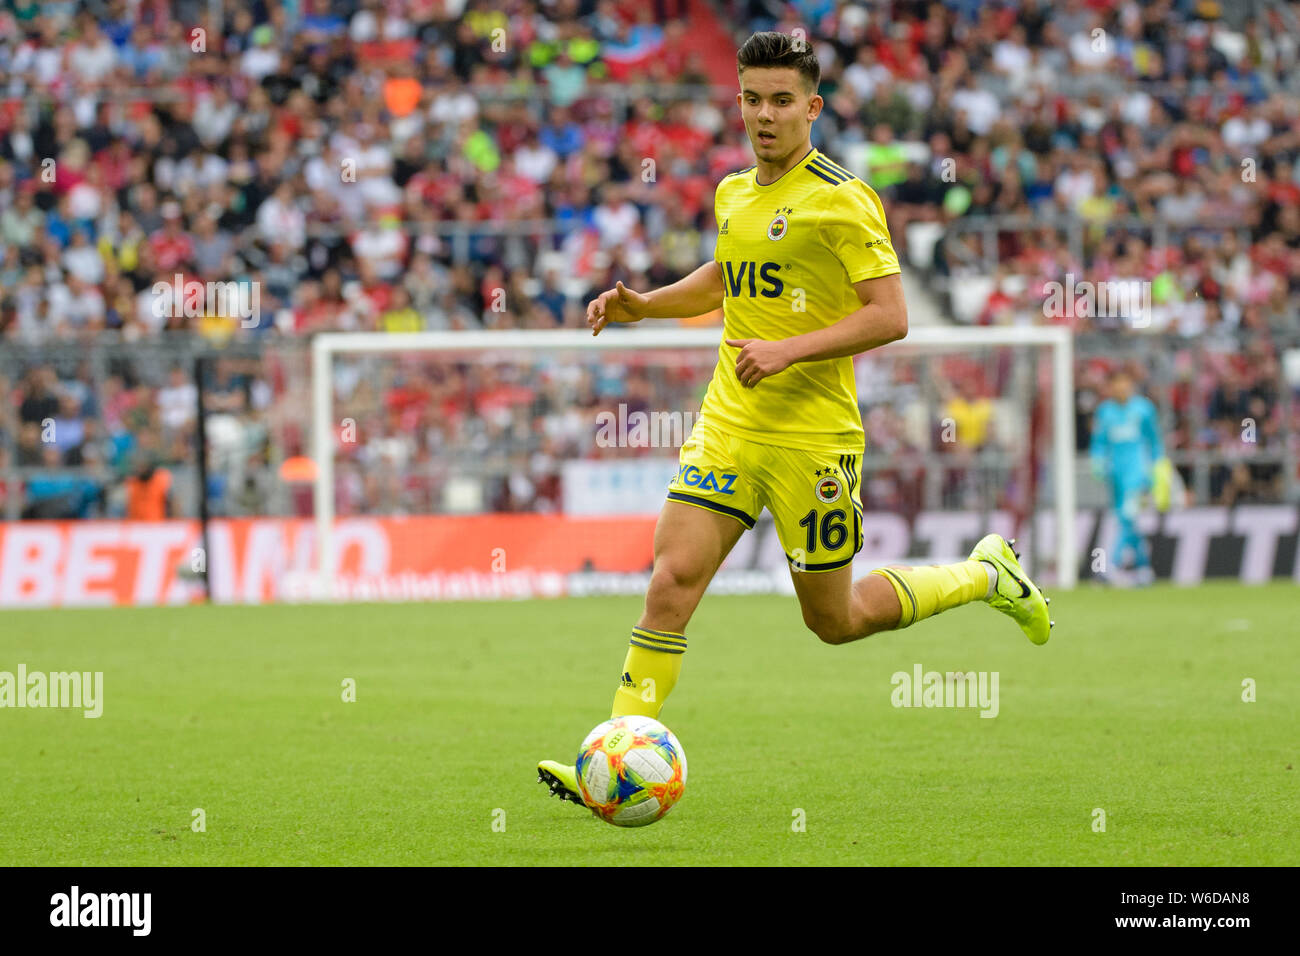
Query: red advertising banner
{"type": "Point", "coordinates": [259, 560]}
{"type": "Point", "coordinates": [255, 560]}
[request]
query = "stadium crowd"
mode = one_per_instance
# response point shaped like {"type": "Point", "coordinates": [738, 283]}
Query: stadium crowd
{"type": "Point", "coordinates": [457, 165]}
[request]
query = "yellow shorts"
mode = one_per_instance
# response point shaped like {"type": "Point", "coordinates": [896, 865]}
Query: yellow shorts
{"type": "Point", "coordinates": [813, 496]}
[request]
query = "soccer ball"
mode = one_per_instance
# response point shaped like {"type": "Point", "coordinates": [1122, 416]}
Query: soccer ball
{"type": "Point", "coordinates": [631, 770]}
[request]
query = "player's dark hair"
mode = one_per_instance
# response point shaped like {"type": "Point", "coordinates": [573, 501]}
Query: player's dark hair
{"type": "Point", "coordinates": [771, 49]}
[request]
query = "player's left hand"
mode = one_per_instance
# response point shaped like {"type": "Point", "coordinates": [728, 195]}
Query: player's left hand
{"type": "Point", "coordinates": [758, 359]}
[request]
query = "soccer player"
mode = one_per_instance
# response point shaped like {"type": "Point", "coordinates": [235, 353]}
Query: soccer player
{"type": "Point", "coordinates": [1128, 454]}
{"type": "Point", "coordinates": [807, 278]}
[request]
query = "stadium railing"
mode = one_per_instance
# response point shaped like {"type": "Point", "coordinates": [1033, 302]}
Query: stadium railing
{"type": "Point", "coordinates": [1180, 380]}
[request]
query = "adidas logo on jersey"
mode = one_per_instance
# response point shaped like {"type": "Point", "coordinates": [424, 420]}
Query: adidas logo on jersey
{"type": "Point", "coordinates": [723, 230]}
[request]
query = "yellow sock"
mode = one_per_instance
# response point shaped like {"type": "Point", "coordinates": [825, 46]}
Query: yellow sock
{"type": "Point", "coordinates": [653, 662]}
{"type": "Point", "coordinates": [925, 591]}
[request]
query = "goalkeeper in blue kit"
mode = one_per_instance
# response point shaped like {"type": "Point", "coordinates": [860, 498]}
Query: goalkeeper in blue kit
{"type": "Point", "coordinates": [1128, 454]}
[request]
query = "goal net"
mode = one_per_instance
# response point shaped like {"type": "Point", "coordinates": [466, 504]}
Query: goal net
{"type": "Point", "coordinates": [534, 462]}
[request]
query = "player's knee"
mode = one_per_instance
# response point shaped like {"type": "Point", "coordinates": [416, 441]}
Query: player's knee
{"type": "Point", "coordinates": [834, 634]}
{"type": "Point", "coordinates": [672, 576]}
{"type": "Point", "coordinates": [829, 628]}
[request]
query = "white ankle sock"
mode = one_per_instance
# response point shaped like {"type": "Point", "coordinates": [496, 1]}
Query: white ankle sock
{"type": "Point", "coordinates": [993, 578]}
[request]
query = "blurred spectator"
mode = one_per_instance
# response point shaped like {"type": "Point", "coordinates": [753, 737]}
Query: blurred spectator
{"type": "Point", "coordinates": [148, 492]}
{"type": "Point", "coordinates": [177, 401]}
{"type": "Point", "coordinates": [971, 414]}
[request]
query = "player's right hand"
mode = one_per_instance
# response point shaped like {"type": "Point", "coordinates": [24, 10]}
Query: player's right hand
{"type": "Point", "coordinates": [619, 304]}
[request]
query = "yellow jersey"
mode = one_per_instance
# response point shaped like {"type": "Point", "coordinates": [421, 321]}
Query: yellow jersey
{"type": "Point", "coordinates": [972, 420]}
{"type": "Point", "coordinates": [789, 253]}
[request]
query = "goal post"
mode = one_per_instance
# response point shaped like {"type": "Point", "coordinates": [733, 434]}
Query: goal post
{"type": "Point", "coordinates": [1056, 339]}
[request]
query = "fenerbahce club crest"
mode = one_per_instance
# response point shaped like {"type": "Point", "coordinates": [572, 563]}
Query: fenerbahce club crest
{"type": "Point", "coordinates": [779, 226]}
{"type": "Point", "coordinates": [828, 487]}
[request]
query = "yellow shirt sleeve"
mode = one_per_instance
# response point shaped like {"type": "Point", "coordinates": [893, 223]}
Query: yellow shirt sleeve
{"type": "Point", "coordinates": [854, 229]}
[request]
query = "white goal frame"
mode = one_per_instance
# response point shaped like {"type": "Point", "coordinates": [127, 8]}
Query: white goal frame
{"type": "Point", "coordinates": [325, 346]}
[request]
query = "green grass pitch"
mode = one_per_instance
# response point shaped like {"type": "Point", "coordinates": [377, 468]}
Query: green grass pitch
{"type": "Point", "coordinates": [1134, 707]}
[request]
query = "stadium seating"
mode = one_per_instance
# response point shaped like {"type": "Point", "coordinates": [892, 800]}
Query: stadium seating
{"type": "Point", "coordinates": [370, 167]}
